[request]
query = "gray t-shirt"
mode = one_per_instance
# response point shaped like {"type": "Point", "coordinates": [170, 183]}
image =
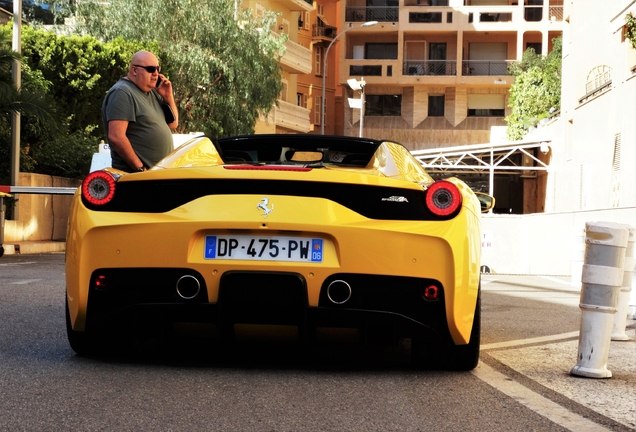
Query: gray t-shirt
{"type": "Point", "coordinates": [147, 131]}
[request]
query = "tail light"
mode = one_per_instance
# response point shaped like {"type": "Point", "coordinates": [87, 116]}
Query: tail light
{"type": "Point", "coordinates": [101, 282]}
{"type": "Point", "coordinates": [430, 293]}
{"type": "Point", "coordinates": [443, 198]}
{"type": "Point", "coordinates": [98, 188]}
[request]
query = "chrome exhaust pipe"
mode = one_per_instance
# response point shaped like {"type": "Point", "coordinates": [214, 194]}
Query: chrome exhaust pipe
{"type": "Point", "coordinates": [339, 292]}
{"type": "Point", "coordinates": [188, 287]}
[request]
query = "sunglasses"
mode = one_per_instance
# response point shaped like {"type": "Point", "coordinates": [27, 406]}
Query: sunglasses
{"type": "Point", "coordinates": [149, 69]}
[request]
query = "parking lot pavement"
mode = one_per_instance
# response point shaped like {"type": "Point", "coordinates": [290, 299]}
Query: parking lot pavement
{"type": "Point", "coordinates": [546, 361]}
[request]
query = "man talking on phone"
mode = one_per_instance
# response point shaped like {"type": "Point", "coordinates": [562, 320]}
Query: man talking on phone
{"type": "Point", "coordinates": [136, 116]}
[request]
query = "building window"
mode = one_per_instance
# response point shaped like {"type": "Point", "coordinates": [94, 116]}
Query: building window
{"type": "Point", "coordinates": [317, 109]}
{"type": "Point", "coordinates": [436, 106]}
{"type": "Point", "coordinates": [486, 105]}
{"type": "Point", "coordinates": [536, 46]}
{"type": "Point", "coordinates": [318, 53]}
{"type": "Point", "coordinates": [425, 17]}
{"type": "Point", "coordinates": [486, 112]}
{"type": "Point", "coordinates": [381, 51]}
{"type": "Point", "coordinates": [366, 70]}
{"type": "Point", "coordinates": [283, 92]}
{"type": "Point", "coordinates": [616, 160]}
{"type": "Point", "coordinates": [383, 105]}
{"type": "Point", "coordinates": [301, 100]}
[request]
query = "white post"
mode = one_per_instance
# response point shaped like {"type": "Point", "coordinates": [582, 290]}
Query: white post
{"type": "Point", "coordinates": [362, 101]}
{"type": "Point", "coordinates": [602, 277]}
{"type": "Point", "coordinates": [14, 167]}
{"type": "Point", "coordinates": [620, 317]}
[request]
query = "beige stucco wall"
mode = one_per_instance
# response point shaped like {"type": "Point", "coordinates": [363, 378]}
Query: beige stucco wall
{"type": "Point", "coordinates": [40, 217]}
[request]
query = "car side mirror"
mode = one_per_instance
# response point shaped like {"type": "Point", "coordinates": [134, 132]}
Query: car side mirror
{"type": "Point", "coordinates": [486, 201]}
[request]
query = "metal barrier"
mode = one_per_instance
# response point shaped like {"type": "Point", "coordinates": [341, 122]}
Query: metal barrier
{"type": "Point", "coordinates": [6, 191]}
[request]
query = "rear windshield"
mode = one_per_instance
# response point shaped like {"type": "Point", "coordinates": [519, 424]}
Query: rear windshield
{"type": "Point", "coordinates": [300, 149]}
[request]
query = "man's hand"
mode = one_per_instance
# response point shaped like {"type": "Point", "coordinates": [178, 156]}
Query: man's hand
{"type": "Point", "coordinates": [119, 142]}
{"type": "Point", "coordinates": [165, 91]}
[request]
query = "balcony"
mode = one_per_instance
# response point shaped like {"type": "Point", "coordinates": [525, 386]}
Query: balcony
{"type": "Point", "coordinates": [290, 116]}
{"type": "Point", "coordinates": [297, 58]}
{"type": "Point", "coordinates": [449, 67]}
{"type": "Point", "coordinates": [429, 67]}
{"type": "Point", "coordinates": [372, 13]}
{"type": "Point", "coordinates": [298, 5]}
{"type": "Point", "coordinates": [486, 67]}
{"type": "Point", "coordinates": [323, 33]}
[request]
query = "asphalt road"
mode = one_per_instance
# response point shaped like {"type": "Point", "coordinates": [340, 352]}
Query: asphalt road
{"type": "Point", "coordinates": [188, 385]}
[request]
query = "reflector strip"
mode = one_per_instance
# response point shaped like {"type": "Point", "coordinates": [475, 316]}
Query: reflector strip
{"type": "Point", "coordinates": [266, 168]}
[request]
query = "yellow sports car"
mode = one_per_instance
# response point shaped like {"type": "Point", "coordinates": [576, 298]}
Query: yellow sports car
{"type": "Point", "coordinates": [307, 232]}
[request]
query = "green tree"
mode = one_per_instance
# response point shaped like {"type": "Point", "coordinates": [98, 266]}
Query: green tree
{"type": "Point", "coordinates": [536, 92]}
{"type": "Point", "coordinates": [31, 100]}
{"type": "Point", "coordinates": [73, 74]}
{"type": "Point", "coordinates": [82, 70]}
{"type": "Point", "coordinates": [223, 63]}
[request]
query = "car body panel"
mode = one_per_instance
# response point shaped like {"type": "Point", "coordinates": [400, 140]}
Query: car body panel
{"type": "Point", "coordinates": [447, 251]}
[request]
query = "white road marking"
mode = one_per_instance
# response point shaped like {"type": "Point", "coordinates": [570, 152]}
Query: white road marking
{"type": "Point", "coordinates": [534, 401]}
{"type": "Point", "coordinates": [17, 264]}
{"type": "Point", "coordinates": [25, 281]}
{"type": "Point", "coordinates": [521, 342]}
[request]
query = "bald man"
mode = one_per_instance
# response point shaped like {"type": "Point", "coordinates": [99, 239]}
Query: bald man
{"type": "Point", "coordinates": [136, 126]}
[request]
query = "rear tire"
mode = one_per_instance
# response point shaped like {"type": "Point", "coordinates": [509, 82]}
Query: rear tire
{"type": "Point", "coordinates": [80, 342]}
{"type": "Point", "coordinates": [86, 344]}
{"type": "Point", "coordinates": [435, 354]}
{"type": "Point", "coordinates": [466, 357]}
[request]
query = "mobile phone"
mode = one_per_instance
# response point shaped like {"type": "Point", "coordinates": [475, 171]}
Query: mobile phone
{"type": "Point", "coordinates": [158, 82]}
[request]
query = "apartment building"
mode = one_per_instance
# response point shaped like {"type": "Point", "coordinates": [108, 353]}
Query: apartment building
{"type": "Point", "coordinates": [318, 29]}
{"type": "Point", "coordinates": [436, 71]}
{"type": "Point", "coordinates": [289, 116]}
{"type": "Point", "coordinates": [593, 156]}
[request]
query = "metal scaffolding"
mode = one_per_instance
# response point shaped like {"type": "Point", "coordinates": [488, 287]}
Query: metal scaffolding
{"type": "Point", "coordinates": [512, 158]}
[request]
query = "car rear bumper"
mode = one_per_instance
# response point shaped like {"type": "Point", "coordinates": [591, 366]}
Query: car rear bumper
{"type": "Point", "coordinates": [142, 302]}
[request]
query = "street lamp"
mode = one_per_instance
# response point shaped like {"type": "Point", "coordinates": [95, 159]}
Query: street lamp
{"type": "Point", "coordinates": [324, 72]}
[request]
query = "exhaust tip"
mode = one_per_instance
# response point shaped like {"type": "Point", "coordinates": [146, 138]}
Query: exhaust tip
{"type": "Point", "coordinates": [339, 292]}
{"type": "Point", "coordinates": [188, 287]}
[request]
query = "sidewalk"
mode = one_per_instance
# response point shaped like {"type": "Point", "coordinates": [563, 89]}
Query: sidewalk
{"type": "Point", "coordinates": [33, 247]}
{"type": "Point", "coordinates": [545, 362]}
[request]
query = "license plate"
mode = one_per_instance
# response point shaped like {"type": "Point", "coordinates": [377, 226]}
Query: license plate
{"type": "Point", "coordinates": [279, 248]}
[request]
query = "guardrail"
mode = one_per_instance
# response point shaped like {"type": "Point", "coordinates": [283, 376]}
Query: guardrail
{"type": "Point", "coordinates": [6, 191]}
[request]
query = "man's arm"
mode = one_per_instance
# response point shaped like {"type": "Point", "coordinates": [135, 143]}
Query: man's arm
{"type": "Point", "coordinates": [119, 142]}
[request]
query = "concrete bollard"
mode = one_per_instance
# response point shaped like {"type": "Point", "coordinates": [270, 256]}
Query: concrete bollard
{"type": "Point", "coordinates": [620, 318]}
{"type": "Point", "coordinates": [602, 277]}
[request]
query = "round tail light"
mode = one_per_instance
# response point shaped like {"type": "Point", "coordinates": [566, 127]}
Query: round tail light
{"type": "Point", "coordinates": [443, 198]}
{"type": "Point", "coordinates": [98, 188]}
{"type": "Point", "coordinates": [430, 293]}
{"type": "Point", "coordinates": [101, 282]}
